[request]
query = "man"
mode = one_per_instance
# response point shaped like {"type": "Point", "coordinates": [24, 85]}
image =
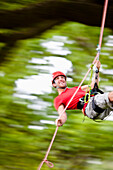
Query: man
{"type": "Point", "coordinates": [98, 107]}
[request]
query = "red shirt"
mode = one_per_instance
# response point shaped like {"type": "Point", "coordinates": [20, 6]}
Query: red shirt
{"type": "Point", "coordinates": [65, 96]}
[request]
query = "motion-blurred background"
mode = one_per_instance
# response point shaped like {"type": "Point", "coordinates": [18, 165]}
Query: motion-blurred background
{"type": "Point", "coordinates": [38, 37]}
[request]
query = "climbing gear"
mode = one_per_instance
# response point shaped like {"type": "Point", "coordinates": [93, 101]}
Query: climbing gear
{"type": "Point", "coordinates": [84, 109]}
{"type": "Point", "coordinates": [56, 74]}
{"type": "Point", "coordinates": [89, 86]}
{"type": "Point", "coordinates": [96, 71]}
{"type": "Point", "coordinates": [96, 90]}
{"type": "Point", "coordinates": [97, 56]}
{"type": "Point", "coordinates": [81, 102]}
{"type": "Point", "coordinates": [98, 48]}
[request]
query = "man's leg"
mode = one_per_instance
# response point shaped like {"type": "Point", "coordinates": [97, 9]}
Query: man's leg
{"type": "Point", "coordinates": [104, 101]}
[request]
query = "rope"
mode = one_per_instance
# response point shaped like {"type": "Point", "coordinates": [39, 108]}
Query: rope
{"type": "Point", "coordinates": [103, 22]}
{"type": "Point", "coordinates": [97, 56]}
{"type": "Point", "coordinates": [89, 86]}
{"type": "Point", "coordinates": [45, 159]}
{"type": "Point", "coordinates": [49, 164]}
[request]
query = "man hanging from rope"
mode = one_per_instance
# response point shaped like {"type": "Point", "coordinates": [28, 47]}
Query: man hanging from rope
{"type": "Point", "coordinates": [97, 107]}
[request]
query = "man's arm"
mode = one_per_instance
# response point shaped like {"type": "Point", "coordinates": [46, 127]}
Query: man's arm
{"type": "Point", "coordinates": [85, 87]}
{"type": "Point", "coordinates": [96, 75]}
{"type": "Point", "coordinates": [62, 116]}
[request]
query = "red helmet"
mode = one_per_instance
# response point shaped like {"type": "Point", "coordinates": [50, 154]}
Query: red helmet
{"type": "Point", "coordinates": [56, 74]}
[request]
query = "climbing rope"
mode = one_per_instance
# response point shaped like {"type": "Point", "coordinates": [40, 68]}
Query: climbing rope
{"type": "Point", "coordinates": [97, 57]}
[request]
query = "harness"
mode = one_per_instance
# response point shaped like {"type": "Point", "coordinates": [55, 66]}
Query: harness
{"type": "Point", "coordinates": [82, 104]}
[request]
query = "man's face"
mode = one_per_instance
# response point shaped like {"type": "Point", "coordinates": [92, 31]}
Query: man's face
{"type": "Point", "coordinates": [60, 82]}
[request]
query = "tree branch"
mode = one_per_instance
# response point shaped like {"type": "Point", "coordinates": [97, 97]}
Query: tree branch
{"type": "Point", "coordinates": [29, 32]}
{"type": "Point", "coordinates": [86, 12]}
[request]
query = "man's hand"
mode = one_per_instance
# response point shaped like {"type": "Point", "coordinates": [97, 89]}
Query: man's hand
{"type": "Point", "coordinates": [58, 122]}
{"type": "Point", "coordinates": [98, 64]}
{"type": "Point", "coordinates": [62, 116]}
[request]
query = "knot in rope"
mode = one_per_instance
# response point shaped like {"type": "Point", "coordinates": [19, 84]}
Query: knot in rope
{"type": "Point", "coordinates": [49, 164]}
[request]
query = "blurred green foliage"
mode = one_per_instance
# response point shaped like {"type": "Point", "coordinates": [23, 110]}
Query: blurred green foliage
{"type": "Point", "coordinates": [78, 145]}
{"type": "Point", "coordinates": [16, 4]}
